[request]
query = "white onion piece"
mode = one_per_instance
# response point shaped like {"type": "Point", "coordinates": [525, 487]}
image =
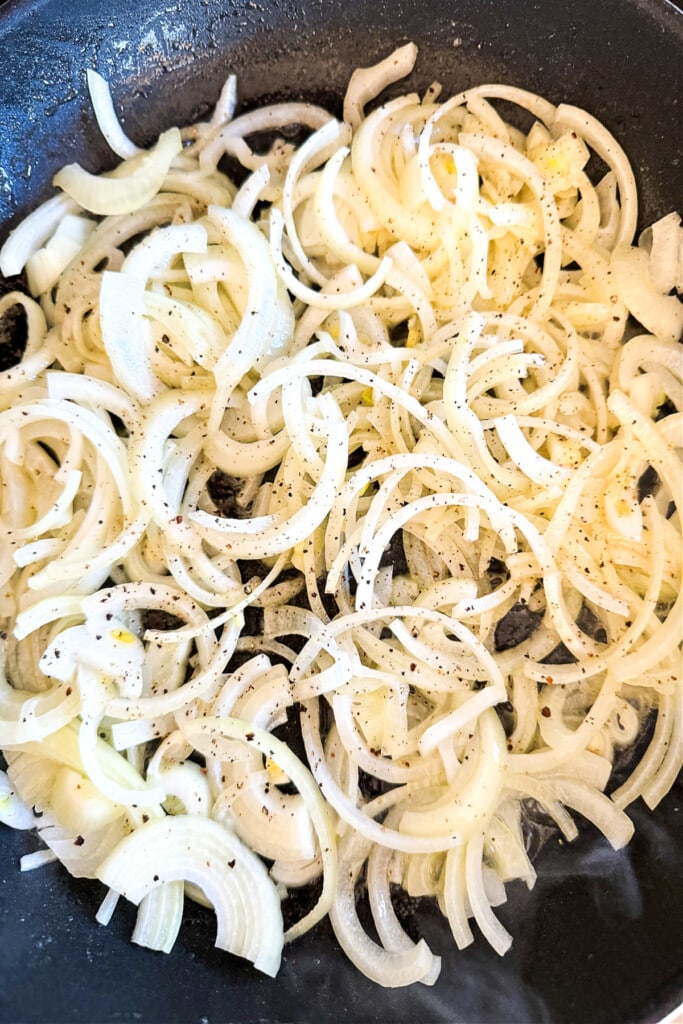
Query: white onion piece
{"type": "Point", "coordinates": [492, 929]}
{"type": "Point", "coordinates": [206, 735]}
{"type": "Point", "coordinates": [367, 83]}
{"type": "Point", "coordinates": [226, 103]}
{"type": "Point", "coordinates": [39, 716]}
{"type": "Point", "coordinates": [350, 812]}
{"type": "Point", "coordinates": [659, 785]}
{"type": "Point", "coordinates": [186, 783]}
{"type": "Point", "coordinates": [63, 747]}
{"type": "Point", "coordinates": [309, 154]}
{"type": "Point", "coordinates": [234, 881]}
{"type": "Point", "coordinates": [203, 684]}
{"type": "Point", "coordinates": [94, 393]}
{"type": "Point", "coordinates": [249, 193]}
{"type": "Point", "coordinates": [45, 267]}
{"type": "Point", "coordinates": [107, 907]}
{"type": "Point", "coordinates": [378, 189]}
{"type": "Point", "coordinates": [267, 322]}
{"type": "Point", "coordinates": [664, 240]}
{"type": "Point", "coordinates": [90, 748]}
{"type": "Point", "coordinates": [454, 893]}
{"type": "Point", "coordinates": [542, 471]}
{"type": "Point", "coordinates": [105, 646]}
{"type": "Point", "coordinates": [131, 734]}
{"type": "Point", "coordinates": [294, 874]}
{"type": "Point", "coordinates": [58, 515]}
{"type": "Point", "coordinates": [451, 723]}
{"type": "Point", "coordinates": [79, 805]}
{"type": "Point", "coordinates": [465, 810]}
{"type": "Point", "coordinates": [275, 534]}
{"type": "Point", "coordinates": [33, 232]}
{"type": "Point", "coordinates": [328, 222]}
{"type": "Point", "coordinates": [274, 824]}
{"type": "Point", "coordinates": [159, 917]}
{"type": "Point", "coordinates": [329, 297]}
{"type": "Point", "coordinates": [660, 314]}
{"type": "Point", "coordinates": [12, 811]}
{"type": "Point", "coordinates": [107, 121]}
{"type": "Point", "coordinates": [313, 367]}
{"type": "Point", "coordinates": [609, 150]}
{"type": "Point", "coordinates": [490, 149]}
{"type": "Point", "coordinates": [269, 118]}
{"type": "Point", "coordinates": [134, 185]}
{"type": "Point", "coordinates": [31, 861]}
{"type": "Point", "coordinates": [391, 934]}
{"type": "Point", "coordinates": [127, 336]}
{"type": "Point", "coordinates": [595, 806]}
{"type": "Point", "coordinates": [390, 969]}
{"type": "Point", "coordinates": [149, 257]}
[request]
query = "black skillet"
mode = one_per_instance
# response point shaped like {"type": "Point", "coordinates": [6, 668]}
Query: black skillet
{"type": "Point", "coordinates": [599, 940]}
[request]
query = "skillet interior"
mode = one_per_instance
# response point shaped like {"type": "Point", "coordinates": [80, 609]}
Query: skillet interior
{"type": "Point", "coordinates": [599, 938]}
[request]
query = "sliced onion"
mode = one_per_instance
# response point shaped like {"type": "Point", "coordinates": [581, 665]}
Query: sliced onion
{"type": "Point", "coordinates": [127, 336]}
{"type": "Point", "coordinates": [159, 917]}
{"type": "Point", "coordinates": [391, 933]}
{"type": "Point", "coordinates": [107, 907]}
{"type": "Point", "coordinates": [33, 232]}
{"type": "Point", "coordinates": [492, 929]}
{"type": "Point", "coordinates": [31, 861]}
{"type": "Point", "coordinates": [136, 183]}
{"type": "Point", "coordinates": [232, 878]}
{"type": "Point", "coordinates": [660, 314]}
{"type": "Point", "coordinates": [367, 83]}
{"type": "Point", "coordinates": [665, 243]}
{"type": "Point", "coordinates": [13, 811]}
{"type": "Point", "coordinates": [275, 534]}
{"type": "Point", "coordinates": [595, 806]}
{"type": "Point", "coordinates": [391, 969]}
{"type": "Point", "coordinates": [206, 736]}
{"type": "Point", "coordinates": [107, 120]}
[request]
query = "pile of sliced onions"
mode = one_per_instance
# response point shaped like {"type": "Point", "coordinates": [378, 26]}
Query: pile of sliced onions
{"type": "Point", "coordinates": [454, 521]}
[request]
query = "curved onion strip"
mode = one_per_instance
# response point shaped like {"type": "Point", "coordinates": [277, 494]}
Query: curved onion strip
{"type": "Point", "coordinates": [33, 232]}
{"type": "Point", "coordinates": [205, 734]}
{"type": "Point", "coordinates": [311, 152]}
{"type": "Point", "coordinates": [200, 685]}
{"type": "Point", "coordinates": [388, 968]}
{"type": "Point", "coordinates": [107, 120]}
{"type": "Point", "coordinates": [354, 815]}
{"type": "Point", "coordinates": [232, 878]}
{"type": "Point", "coordinates": [138, 182]}
{"type": "Point", "coordinates": [490, 149]}
{"type": "Point", "coordinates": [659, 313]}
{"type": "Point", "coordinates": [278, 115]}
{"type": "Point", "coordinates": [159, 917]}
{"type": "Point", "coordinates": [275, 534]}
{"type": "Point", "coordinates": [609, 150]}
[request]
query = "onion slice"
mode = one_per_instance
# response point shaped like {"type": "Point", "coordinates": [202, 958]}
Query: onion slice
{"type": "Point", "coordinates": [135, 183]}
{"type": "Point", "coordinates": [232, 878]}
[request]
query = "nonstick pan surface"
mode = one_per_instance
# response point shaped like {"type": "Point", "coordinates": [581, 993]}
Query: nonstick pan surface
{"type": "Point", "coordinates": [598, 941]}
